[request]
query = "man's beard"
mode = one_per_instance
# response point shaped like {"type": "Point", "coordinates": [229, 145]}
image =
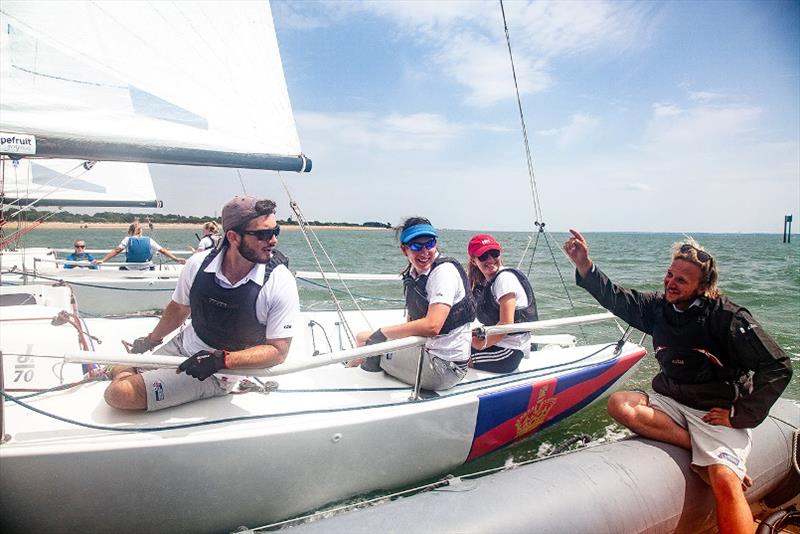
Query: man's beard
{"type": "Point", "coordinates": [251, 254]}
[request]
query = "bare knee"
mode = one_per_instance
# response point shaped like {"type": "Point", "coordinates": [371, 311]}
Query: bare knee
{"type": "Point", "coordinates": [622, 406]}
{"type": "Point", "coordinates": [723, 481]}
{"type": "Point", "coordinates": [126, 394]}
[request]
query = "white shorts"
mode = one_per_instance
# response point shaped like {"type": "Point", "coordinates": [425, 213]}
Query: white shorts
{"type": "Point", "coordinates": [711, 444]}
{"type": "Point", "coordinates": [166, 388]}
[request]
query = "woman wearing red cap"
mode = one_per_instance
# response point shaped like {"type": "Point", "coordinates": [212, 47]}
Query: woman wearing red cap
{"type": "Point", "coordinates": [503, 296]}
{"type": "Point", "coordinates": [440, 307]}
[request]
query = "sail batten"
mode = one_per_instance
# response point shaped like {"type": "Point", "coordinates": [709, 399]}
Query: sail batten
{"type": "Point", "coordinates": [187, 83]}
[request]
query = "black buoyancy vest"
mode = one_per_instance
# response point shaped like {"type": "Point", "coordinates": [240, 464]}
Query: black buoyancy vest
{"type": "Point", "coordinates": [489, 310]}
{"type": "Point", "coordinates": [461, 313]}
{"type": "Point", "coordinates": [685, 348]}
{"type": "Point", "coordinates": [226, 318]}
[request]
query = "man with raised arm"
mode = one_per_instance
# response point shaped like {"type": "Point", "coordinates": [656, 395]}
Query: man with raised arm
{"type": "Point", "coordinates": [243, 302]}
{"type": "Point", "coordinates": [720, 372]}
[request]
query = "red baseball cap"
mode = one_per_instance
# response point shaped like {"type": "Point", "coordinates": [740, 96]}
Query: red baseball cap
{"type": "Point", "coordinates": [481, 243]}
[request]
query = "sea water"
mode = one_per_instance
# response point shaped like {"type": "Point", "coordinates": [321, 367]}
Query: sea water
{"type": "Point", "coordinates": [757, 271]}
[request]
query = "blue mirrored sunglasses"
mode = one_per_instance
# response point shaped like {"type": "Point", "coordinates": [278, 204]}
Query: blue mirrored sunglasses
{"type": "Point", "coordinates": [417, 246]}
{"type": "Point", "coordinates": [263, 235]}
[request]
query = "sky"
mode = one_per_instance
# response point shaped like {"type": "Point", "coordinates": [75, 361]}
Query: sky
{"type": "Point", "coordinates": [641, 116]}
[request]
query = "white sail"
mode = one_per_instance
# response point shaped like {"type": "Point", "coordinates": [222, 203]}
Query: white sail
{"type": "Point", "coordinates": [69, 182]}
{"type": "Point", "coordinates": [186, 82]}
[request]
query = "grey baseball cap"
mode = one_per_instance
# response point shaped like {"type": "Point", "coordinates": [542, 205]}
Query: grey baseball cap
{"type": "Point", "coordinates": [238, 211]}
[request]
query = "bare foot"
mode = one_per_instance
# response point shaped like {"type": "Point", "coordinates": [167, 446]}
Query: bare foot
{"type": "Point", "coordinates": [354, 363]}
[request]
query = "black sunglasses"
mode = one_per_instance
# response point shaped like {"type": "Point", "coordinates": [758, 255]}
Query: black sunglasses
{"type": "Point", "coordinates": [263, 235]}
{"type": "Point", "coordinates": [702, 255]}
{"type": "Point", "coordinates": [493, 253]}
{"type": "Point", "coordinates": [80, 246]}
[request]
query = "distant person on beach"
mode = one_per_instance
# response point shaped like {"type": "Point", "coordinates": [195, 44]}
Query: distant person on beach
{"type": "Point", "coordinates": [80, 254]}
{"type": "Point", "coordinates": [503, 295]}
{"type": "Point", "coordinates": [243, 302]}
{"type": "Point", "coordinates": [440, 307]}
{"type": "Point", "coordinates": [720, 371]}
{"type": "Point", "coordinates": [139, 249]}
{"type": "Point", "coordinates": [210, 239]}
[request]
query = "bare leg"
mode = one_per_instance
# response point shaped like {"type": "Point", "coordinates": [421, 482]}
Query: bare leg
{"type": "Point", "coordinates": [126, 390]}
{"type": "Point", "coordinates": [629, 408]}
{"type": "Point", "coordinates": [733, 512]}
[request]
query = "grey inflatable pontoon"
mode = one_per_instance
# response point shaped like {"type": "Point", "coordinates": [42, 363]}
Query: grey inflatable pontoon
{"type": "Point", "coordinates": [633, 485]}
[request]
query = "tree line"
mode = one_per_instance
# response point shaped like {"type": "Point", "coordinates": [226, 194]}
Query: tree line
{"type": "Point", "coordinates": [161, 218]}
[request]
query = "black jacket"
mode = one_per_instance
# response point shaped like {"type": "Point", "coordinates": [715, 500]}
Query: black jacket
{"type": "Point", "coordinates": [708, 354]}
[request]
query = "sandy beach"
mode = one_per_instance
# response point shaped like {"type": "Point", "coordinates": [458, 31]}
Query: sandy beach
{"type": "Point", "coordinates": [179, 226]}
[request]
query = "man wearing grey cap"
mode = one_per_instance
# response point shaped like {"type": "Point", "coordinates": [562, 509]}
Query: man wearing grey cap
{"type": "Point", "coordinates": [243, 302]}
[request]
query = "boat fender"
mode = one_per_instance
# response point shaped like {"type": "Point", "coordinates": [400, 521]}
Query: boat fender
{"type": "Point", "coordinates": [777, 521]}
{"type": "Point", "coordinates": [789, 488]}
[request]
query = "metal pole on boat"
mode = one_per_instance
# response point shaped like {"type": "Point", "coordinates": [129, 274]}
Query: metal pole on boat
{"type": "Point", "coordinates": [417, 386]}
{"type": "Point", "coordinates": [3, 436]}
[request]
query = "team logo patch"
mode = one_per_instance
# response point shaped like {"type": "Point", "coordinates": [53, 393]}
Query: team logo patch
{"type": "Point", "coordinates": [158, 390]}
{"type": "Point", "coordinates": [728, 458]}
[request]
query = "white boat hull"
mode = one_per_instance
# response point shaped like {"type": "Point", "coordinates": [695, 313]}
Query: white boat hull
{"type": "Point", "coordinates": [326, 434]}
{"type": "Point", "coordinates": [104, 291]}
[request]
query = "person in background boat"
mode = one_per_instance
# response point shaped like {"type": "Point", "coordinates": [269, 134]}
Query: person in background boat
{"type": "Point", "coordinates": [80, 254]}
{"type": "Point", "coordinates": [243, 303]}
{"type": "Point", "coordinates": [139, 249]}
{"type": "Point", "coordinates": [210, 239]}
{"type": "Point", "coordinates": [720, 371]}
{"type": "Point", "coordinates": [503, 295]}
{"type": "Point", "coordinates": [439, 306]}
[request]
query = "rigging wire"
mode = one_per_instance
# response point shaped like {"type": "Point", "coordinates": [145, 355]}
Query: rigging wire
{"type": "Point", "coordinates": [537, 206]}
{"type": "Point", "coordinates": [301, 220]}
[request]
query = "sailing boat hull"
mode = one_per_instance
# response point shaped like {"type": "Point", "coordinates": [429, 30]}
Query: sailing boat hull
{"type": "Point", "coordinates": [326, 434]}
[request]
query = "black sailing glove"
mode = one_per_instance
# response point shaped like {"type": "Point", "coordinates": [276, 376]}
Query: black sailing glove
{"type": "Point", "coordinates": [376, 337]}
{"type": "Point", "coordinates": [143, 344]}
{"type": "Point", "coordinates": [203, 364]}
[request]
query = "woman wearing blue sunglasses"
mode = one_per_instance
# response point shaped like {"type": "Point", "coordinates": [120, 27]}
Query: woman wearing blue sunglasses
{"type": "Point", "coordinates": [439, 306]}
{"type": "Point", "coordinates": [503, 296]}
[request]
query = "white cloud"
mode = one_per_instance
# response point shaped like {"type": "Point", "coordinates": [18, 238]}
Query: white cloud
{"type": "Point", "coordinates": [703, 96]}
{"type": "Point", "coordinates": [467, 42]}
{"type": "Point", "coordinates": [418, 131]}
{"type": "Point", "coordinates": [666, 110]}
{"type": "Point", "coordinates": [292, 18]}
{"type": "Point", "coordinates": [636, 186]}
{"type": "Point", "coordinates": [580, 127]}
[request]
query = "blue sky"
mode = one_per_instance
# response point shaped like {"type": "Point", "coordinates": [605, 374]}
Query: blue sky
{"type": "Point", "coordinates": [642, 116]}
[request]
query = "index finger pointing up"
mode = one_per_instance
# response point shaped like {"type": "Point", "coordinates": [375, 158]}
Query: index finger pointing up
{"type": "Point", "coordinates": [577, 235]}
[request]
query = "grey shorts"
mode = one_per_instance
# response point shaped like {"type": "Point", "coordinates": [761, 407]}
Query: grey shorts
{"type": "Point", "coordinates": [711, 444]}
{"type": "Point", "coordinates": [166, 388]}
{"type": "Point", "coordinates": [437, 374]}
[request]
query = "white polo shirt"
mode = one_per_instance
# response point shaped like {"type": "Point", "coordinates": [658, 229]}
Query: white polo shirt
{"type": "Point", "coordinates": [505, 283]}
{"type": "Point", "coordinates": [444, 286]}
{"type": "Point", "coordinates": [277, 304]}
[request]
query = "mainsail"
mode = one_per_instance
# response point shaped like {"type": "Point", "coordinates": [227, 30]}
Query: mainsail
{"type": "Point", "coordinates": [190, 82]}
{"type": "Point", "coordinates": [68, 182]}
